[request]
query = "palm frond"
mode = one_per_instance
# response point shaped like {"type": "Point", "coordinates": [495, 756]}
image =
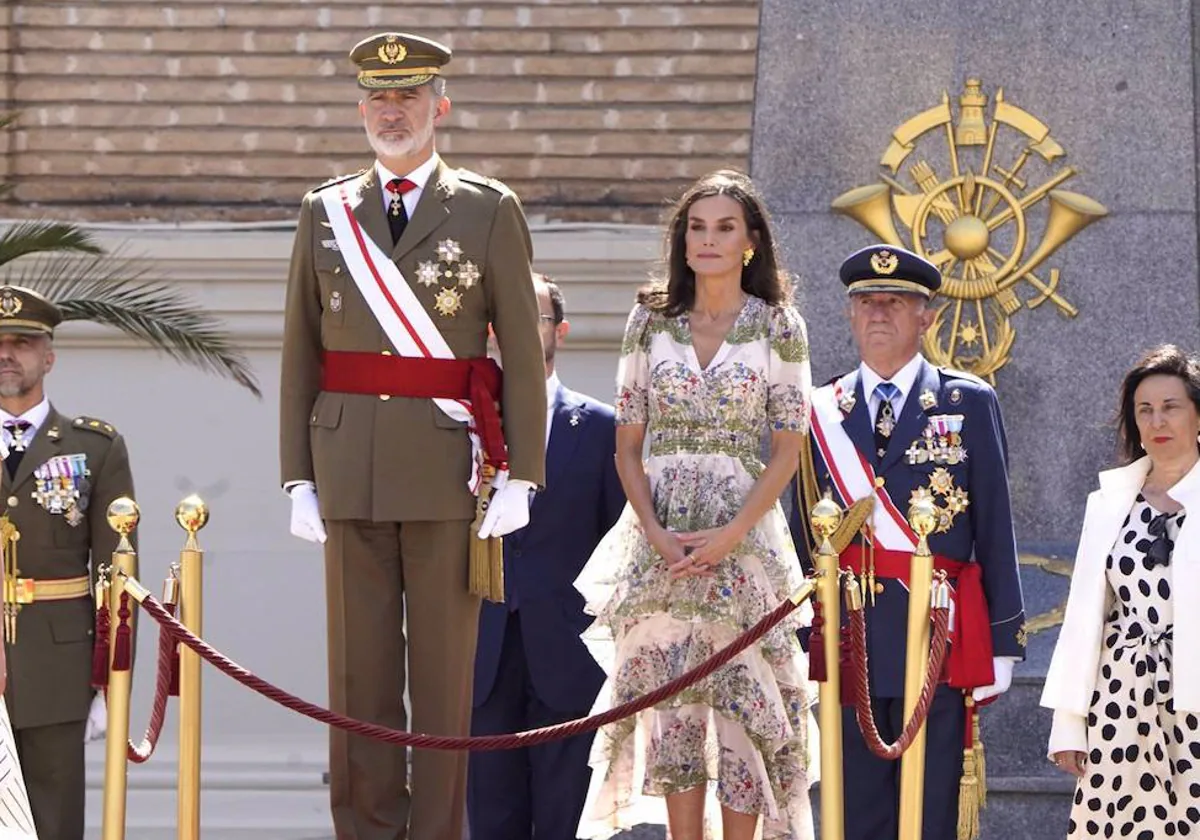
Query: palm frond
{"type": "Point", "coordinates": [109, 290]}
{"type": "Point", "coordinates": [39, 237]}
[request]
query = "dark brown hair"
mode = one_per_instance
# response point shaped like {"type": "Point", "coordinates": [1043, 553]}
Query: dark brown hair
{"type": "Point", "coordinates": [675, 293]}
{"type": "Point", "coordinates": [1164, 360]}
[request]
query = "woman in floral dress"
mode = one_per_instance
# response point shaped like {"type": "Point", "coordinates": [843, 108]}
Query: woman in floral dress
{"type": "Point", "coordinates": [713, 357]}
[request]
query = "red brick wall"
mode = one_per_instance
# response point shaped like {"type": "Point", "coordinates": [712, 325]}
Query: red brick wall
{"type": "Point", "coordinates": [186, 110]}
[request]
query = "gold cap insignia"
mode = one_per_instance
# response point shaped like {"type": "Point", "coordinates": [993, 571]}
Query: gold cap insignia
{"type": "Point", "coordinates": [392, 51]}
{"type": "Point", "coordinates": [10, 304]}
{"type": "Point", "coordinates": [885, 262]}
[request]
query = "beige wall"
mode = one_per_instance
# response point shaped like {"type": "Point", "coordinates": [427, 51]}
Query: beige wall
{"type": "Point", "coordinates": [135, 109]}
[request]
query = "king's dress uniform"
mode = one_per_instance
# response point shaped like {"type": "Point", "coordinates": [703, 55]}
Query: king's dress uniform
{"type": "Point", "coordinates": [57, 483]}
{"type": "Point", "coordinates": [946, 441]}
{"type": "Point", "coordinates": [392, 467]}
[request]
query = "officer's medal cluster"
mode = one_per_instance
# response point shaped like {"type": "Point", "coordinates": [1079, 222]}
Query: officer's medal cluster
{"type": "Point", "coordinates": [940, 443]}
{"type": "Point", "coordinates": [449, 266]}
{"type": "Point", "coordinates": [61, 486]}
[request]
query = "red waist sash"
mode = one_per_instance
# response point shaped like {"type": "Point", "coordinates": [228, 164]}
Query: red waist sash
{"type": "Point", "coordinates": [970, 662]}
{"type": "Point", "coordinates": [476, 380]}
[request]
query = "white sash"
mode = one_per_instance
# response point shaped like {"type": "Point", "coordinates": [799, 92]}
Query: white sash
{"type": "Point", "coordinates": [403, 319]}
{"type": "Point", "coordinates": [853, 474]}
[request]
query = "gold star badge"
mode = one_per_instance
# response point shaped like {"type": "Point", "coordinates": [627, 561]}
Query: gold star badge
{"type": "Point", "coordinates": [447, 302]}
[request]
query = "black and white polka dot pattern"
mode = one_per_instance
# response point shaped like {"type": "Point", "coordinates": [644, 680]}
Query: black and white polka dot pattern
{"type": "Point", "coordinates": [1143, 768]}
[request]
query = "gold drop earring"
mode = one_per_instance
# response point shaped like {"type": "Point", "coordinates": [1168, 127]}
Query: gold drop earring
{"type": "Point", "coordinates": [747, 255]}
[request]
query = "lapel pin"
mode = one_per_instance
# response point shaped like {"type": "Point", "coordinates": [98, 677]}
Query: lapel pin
{"type": "Point", "coordinates": [955, 396]}
{"type": "Point", "coordinates": [574, 418]}
{"type": "Point", "coordinates": [928, 400]}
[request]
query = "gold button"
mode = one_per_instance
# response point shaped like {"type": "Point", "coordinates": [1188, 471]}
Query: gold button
{"type": "Point", "coordinates": [386, 352]}
{"type": "Point", "coordinates": [878, 481]}
{"type": "Point", "coordinates": [337, 269]}
{"type": "Point", "coordinates": [385, 397]}
{"type": "Point", "coordinates": [12, 501]}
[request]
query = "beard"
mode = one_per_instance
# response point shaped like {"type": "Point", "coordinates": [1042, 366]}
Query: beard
{"type": "Point", "coordinates": [389, 147]}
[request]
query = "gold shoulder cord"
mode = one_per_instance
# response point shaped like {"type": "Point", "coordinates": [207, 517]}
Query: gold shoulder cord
{"type": "Point", "coordinates": [8, 549]}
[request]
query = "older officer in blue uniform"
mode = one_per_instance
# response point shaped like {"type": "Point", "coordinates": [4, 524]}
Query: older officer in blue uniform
{"type": "Point", "coordinates": [531, 667]}
{"type": "Point", "coordinates": [898, 428]}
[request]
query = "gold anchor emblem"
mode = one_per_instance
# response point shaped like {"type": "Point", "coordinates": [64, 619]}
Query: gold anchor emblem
{"type": "Point", "coordinates": [392, 51]}
{"type": "Point", "coordinates": [973, 224]}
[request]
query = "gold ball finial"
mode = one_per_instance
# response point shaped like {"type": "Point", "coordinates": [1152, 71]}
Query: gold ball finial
{"type": "Point", "coordinates": [923, 516]}
{"type": "Point", "coordinates": [825, 516]}
{"type": "Point", "coordinates": [123, 515]}
{"type": "Point", "coordinates": [191, 514]}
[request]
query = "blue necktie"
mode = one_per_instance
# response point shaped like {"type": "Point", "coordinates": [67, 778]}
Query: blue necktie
{"type": "Point", "coordinates": [885, 420]}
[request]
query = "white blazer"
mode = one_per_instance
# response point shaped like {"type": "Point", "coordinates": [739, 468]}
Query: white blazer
{"type": "Point", "coordinates": [1071, 679]}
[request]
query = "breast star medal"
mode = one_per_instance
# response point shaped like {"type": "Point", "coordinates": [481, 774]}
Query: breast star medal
{"type": "Point", "coordinates": [450, 275]}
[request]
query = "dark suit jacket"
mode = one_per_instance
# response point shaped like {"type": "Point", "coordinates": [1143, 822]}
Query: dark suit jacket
{"type": "Point", "coordinates": [982, 534]}
{"type": "Point", "coordinates": [50, 666]}
{"type": "Point", "coordinates": [582, 500]}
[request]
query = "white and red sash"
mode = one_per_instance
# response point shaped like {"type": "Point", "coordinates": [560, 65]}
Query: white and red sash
{"type": "Point", "coordinates": [852, 474]}
{"type": "Point", "coordinates": [400, 314]}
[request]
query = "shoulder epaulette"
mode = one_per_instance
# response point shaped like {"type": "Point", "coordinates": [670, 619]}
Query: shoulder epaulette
{"type": "Point", "coordinates": [339, 179]}
{"type": "Point", "coordinates": [94, 425]}
{"type": "Point", "coordinates": [484, 180]}
{"type": "Point", "coordinates": [955, 373]}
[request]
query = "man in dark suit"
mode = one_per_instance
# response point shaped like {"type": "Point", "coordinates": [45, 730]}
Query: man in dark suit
{"type": "Point", "coordinates": [60, 475]}
{"type": "Point", "coordinates": [897, 428]}
{"type": "Point", "coordinates": [531, 667]}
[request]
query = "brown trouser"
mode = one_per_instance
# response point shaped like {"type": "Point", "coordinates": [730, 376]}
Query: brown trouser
{"type": "Point", "coordinates": [52, 762]}
{"type": "Point", "coordinates": [368, 567]}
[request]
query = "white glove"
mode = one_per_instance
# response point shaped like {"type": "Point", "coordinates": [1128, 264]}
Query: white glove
{"type": "Point", "coordinates": [509, 509]}
{"type": "Point", "coordinates": [97, 719]}
{"type": "Point", "coordinates": [306, 515]}
{"type": "Point", "coordinates": [1002, 668]}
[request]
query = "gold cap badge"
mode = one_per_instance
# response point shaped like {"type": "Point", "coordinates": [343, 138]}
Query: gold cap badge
{"type": "Point", "coordinates": [884, 262]}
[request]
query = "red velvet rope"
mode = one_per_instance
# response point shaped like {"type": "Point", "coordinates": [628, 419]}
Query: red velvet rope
{"type": "Point", "coordinates": [140, 753]}
{"type": "Point", "coordinates": [862, 690]}
{"type": "Point", "coordinates": [172, 628]}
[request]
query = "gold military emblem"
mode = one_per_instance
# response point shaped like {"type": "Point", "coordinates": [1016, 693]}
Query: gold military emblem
{"type": "Point", "coordinates": [450, 267]}
{"type": "Point", "coordinates": [928, 400]}
{"type": "Point", "coordinates": [963, 184]}
{"type": "Point", "coordinates": [10, 305]}
{"type": "Point", "coordinates": [885, 262]}
{"type": "Point", "coordinates": [392, 51]}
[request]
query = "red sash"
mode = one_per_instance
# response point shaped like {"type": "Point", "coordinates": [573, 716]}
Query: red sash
{"type": "Point", "coordinates": [970, 662]}
{"type": "Point", "coordinates": [477, 380]}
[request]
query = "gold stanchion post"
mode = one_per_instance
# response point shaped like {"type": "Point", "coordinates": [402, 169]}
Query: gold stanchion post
{"type": "Point", "coordinates": [192, 515]}
{"type": "Point", "coordinates": [123, 518]}
{"type": "Point", "coordinates": [922, 516]}
{"type": "Point", "coordinates": [825, 517]}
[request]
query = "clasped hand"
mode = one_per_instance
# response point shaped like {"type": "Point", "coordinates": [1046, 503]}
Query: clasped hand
{"type": "Point", "coordinates": [694, 553]}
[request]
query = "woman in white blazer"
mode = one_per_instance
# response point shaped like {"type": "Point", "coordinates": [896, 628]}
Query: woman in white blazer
{"type": "Point", "coordinates": [1125, 709]}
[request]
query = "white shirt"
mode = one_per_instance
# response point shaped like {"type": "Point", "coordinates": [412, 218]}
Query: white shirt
{"type": "Point", "coordinates": [903, 379]}
{"type": "Point", "coordinates": [35, 417]}
{"type": "Point", "coordinates": [552, 383]}
{"type": "Point", "coordinates": [419, 176]}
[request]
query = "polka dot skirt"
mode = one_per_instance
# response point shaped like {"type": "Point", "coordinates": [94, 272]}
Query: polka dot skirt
{"type": "Point", "coordinates": [1143, 769]}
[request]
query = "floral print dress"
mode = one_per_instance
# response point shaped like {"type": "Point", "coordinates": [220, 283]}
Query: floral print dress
{"type": "Point", "coordinates": [746, 731]}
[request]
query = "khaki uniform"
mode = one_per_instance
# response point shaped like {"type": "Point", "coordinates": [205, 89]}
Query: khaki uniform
{"type": "Point", "coordinates": [391, 476]}
{"type": "Point", "coordinates": [50, 665]}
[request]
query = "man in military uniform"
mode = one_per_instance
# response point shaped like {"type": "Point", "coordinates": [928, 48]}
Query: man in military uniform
{"type": "Point", "coordinates": [60, 475]}
{"type": "Point", "coordinates": [389, 429]}
{"type": "Point", "coordinates": [893, 430]}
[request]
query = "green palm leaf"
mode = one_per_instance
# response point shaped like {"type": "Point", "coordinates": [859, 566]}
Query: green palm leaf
{"type": "Point", "coordinates": [45, 237]}
{"type": "Point", "coordinates": [109, 290]}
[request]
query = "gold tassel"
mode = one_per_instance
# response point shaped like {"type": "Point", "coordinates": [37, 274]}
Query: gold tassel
{"type": "Point", "coordinates": [980, 764]}
{"type": "Point", "coordinates": [485, 574]}
{"type": "Point", "coordinates": [968, 799]}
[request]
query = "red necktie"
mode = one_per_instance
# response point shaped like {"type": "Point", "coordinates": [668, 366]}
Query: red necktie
{"type": "Point", "coordinates": [397, 215]}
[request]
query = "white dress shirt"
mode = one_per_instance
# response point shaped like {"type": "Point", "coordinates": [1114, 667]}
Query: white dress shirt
{"type": "Point", "coordinates": [35, 417]}
{"type": "Point", "coordinates": [419, 176]}
{"type": "Point", "coordinates": [552, 383]}
{"type": "Point", "coordinates": [903, 379]}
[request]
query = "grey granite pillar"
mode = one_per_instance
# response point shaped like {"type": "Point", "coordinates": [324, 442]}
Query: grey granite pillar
{"type": "Point", "coordinates": [1116, 84]}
